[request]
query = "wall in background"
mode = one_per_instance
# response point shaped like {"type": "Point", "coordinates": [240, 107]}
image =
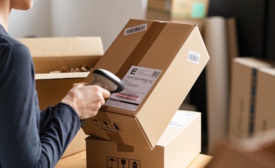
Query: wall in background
{"type": "Point", "coordinates": [34, 22]}
{"type": "Point", "coordinates": [250, 17]}
{"type": "Point", "coordinates": [60, 18]}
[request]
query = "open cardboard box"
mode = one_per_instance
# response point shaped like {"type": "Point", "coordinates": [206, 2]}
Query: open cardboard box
{"type": "Point", "coordinates": [159, 62]}
{"type": "Point", "coordinates": [51, 54]}
{"type": "Point", "coordinates": [177, 147]}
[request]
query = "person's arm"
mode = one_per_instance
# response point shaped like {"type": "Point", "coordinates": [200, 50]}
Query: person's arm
{"type": "Point", "coordinates": [22, 142]}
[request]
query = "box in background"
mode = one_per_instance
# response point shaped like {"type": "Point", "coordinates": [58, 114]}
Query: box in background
{"type": "Point", "coordinates": [179, 9]}
{"type": "Point", "coordinates": [244, 95]}
{"type": "Point", "coordinates": [265, 100]}
{"type": "Point", "coordinates": [153, 15]}
{"type": "Point", "coordinates": [51, 54]}
{"type": "Point", "coordinates": [159, 62]}
{"type": "Point", "coordinates": [177, 147]}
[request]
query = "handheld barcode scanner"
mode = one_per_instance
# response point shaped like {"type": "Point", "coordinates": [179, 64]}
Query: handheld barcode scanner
{"type": "Point", "coordinates": [106, 80]}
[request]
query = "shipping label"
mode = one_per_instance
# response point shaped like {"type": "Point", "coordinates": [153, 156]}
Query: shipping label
{"type": "Point", "coordinates": [135, 29]}
{"type": "Point", "coordinates": [193, 57]}
{"type": "Point", "coordinates": [181, 119]}
{"type": "Point", "coordinates": [138, 81]}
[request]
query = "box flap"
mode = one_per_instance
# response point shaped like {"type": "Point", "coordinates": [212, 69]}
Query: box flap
{"type": "Point", "coordinates": [69, 75]}
{"type": "Point", "coordinates": [63, 46]}
{"type": "Point", "coordinates": [52, 53]}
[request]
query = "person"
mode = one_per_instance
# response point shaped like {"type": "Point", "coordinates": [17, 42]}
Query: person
{"type": "Point", "coordinates": [30, 137]}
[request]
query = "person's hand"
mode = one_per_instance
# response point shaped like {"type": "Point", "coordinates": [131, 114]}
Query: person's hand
{"type": "Point", "coordinates": [86, 100]}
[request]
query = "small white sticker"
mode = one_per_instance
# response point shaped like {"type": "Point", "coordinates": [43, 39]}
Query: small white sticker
{"type": "Point", "coordinates": [193, 57]}
{"type": "Point", "coordinates": [180, 119]}
{"type": "Point", "coordinates": [136, 29]}
{"type": "Point", "coordinates": [138, 82]}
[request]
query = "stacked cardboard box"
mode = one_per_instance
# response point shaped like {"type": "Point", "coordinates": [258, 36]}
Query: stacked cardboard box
{"type": "Point", "coordinates": [252, 97]}
{"type": "Point", "coordinates": [50, 55]}
{"type": "Point", "coordinates": [159, 62]}
{"type": "Point", "coordinates": [176, 9]}
{"type": "Point", "coordinates": [177, 147]}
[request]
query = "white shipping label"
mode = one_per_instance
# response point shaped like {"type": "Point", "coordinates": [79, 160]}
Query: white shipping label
{"type": "Point", "coordinates": [135, 29]}
{"type": "Point", "coordinates": [180, 119]}
{"type": "Point", "coordinates": [193, 57]}
{"type": "Point", "coordinates": [138, 82]}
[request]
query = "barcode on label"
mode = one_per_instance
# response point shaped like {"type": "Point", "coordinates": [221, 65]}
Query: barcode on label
{"type": "Point", "coordinates": [126, 96]}
{"type": "Point", "coordinates": [193, 57]}
{"type": "Point", "coordinates": [135, 29]}
{"type": "Point", "coordinates": [155, 74]}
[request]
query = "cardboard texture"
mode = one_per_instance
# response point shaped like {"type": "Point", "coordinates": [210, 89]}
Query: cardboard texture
{"type": "Point", "coordinates": [177, 147]}
{"type": "Point", "coordinates": [159, 62]}
{"type": "Point", "coordinates": [246, 98]}
{"type": "Point", "coordinates": [50, 54]}
{"type": "Point", "coordinates": [179, 8]}
{"type": "Point", "coordinates": [265, 101]}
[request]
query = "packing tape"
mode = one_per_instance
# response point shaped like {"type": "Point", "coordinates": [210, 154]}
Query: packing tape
{"type": "Point", "coordinates": [141, 49]}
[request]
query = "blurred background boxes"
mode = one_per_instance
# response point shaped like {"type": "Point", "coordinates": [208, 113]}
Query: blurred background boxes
{"type": "Point", "coordinates": [252, 102]}
{"type": "Point", "coordinates": [178, 9]}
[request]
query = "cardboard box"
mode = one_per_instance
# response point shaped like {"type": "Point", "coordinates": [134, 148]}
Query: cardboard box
{"type": "Point", "coordinates": [177, 147]}
{"type": "Point", "coordinates": [164, 16]}
{"type": "Point", "coordinates": [51, 54]}
{"type": "Point", "coordinates": [159, 62]}
{"type": "Point", "coordinates": [179, 8]}
{"type": "Point", "coordinates": [244, 95]}
{"type": "Point", "coordinates": [265, 101]}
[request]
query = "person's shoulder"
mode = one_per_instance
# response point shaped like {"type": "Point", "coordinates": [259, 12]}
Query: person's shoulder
{"type": "Point", "coordinates": [7, 41]}
{"type": "Point", "coordinates": [13, 46]}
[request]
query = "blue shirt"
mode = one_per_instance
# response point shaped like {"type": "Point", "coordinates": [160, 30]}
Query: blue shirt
{"type": "Point", "coordinates": [28, 137]}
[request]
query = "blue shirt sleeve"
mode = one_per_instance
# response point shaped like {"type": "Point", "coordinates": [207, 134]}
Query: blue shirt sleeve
{"type": "Point", "coordinates": [28, 137]}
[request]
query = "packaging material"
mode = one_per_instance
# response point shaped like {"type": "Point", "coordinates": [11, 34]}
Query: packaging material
{"type": "Point", "coordinates": [159, 62]}
{"type": "Point", "coordinates": [265, 101]}
{"type": "Point", "coordinates": [50, 55]}
{"type": "Point", "coordinates": [245, 95]}
{"type": "Point", "coordinates": [179, 8]}
{"type": "Point", "coordinates": [177, 147]}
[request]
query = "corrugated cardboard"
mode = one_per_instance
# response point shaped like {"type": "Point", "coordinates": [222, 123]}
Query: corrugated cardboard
{"type": "Point", "coordinates": [265, 101]}
{"type": "Point", "coordinates": [50, 54]}
{"type": "Point", "coordinates": [177, 147]}
{"type": "Point", "coordinates": [172, 56]}
{"type": "Point", "coordinates": [178, 9]}
{"type": "Point", "coordinates": [244, 95]}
